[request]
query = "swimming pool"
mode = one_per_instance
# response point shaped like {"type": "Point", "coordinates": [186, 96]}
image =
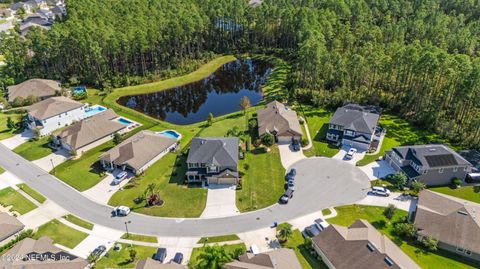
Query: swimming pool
{"type": "Point", "coordinates": [124, 121]}
{"type": "Point", "coordinates": [170, 133]}
{"type": "Point", "coordinates": [93, 110]}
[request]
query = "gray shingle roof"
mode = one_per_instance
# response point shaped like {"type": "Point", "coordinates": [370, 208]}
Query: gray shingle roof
{"type": "Point", "coordinates": [35, 87]}
{"type": "Point", "coordinates": [433, 156]}
{"type": "Point", "coordinates": [52, 107]}
{"type": "Point", "coordinates": [282, 258]}
{"type": "Point", "coordinates": [277, 117]}
{"type": "Point", "coordinates": [220, 151]}
{"type": "Point", "coordinates": [355, 117]}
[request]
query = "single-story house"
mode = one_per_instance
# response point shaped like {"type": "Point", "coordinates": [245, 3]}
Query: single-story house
{"type": "Point", "coordinates": [9, 225]}
{"type": "Point", "coordinates": [149, 263]}
{"type": "Point", "coordinates": [359, 246]}
{"type": "Point", "coordinates": [454, 222]}
{"type": "Point", "coordinates": [90, 132]}
{"type": "Point", "coordinates": [214, 160]}
{"type": "Point", "coordinates": [40, 88]}
{"type": "Point", "coordinates": [138, 152]}
{"type": "Point", "coordinates": [355, 126]}
{"type": "Point", "coordinates": [280, 121]}
{"type": "Point", "coordinates": [282, 258]}
{"type": "Point", "coordinates": [432, 165]}
{"type": "Point", "coordinates": [54, 113]}
{"type": "Point", "coordinates": [21, 5]}
{"type": "Point", "coordinates": [41, 253]}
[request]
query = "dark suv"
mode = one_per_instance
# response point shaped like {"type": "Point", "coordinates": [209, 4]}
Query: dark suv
{"type": "Point", "coordinates": [286, 196]}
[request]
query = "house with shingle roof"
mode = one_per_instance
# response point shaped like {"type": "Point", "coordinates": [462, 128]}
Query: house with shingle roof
{"type": "Point", "coordinates": [354, 125]}
{"type": "Point", "coordinates": [213, 160]}
{"type": "Point", "coordinates": [39, 88]}
{"type": "Point", "coordinates": [149, 263]}
{"type": "Point", "coordinates": [432, 165]}
{"type": "Point", "coordinates": [138, 152]}
{"type": "Point", "coordinates": [9, 225]}
{"type": "Point", "coordinates": [282, 258]}
{"type": "Point", "coordinates": [454, 222]}
{"type": "Point", "coordinates": [280, 121]}
{"type": "Point", "coordinates": [54, 113]}
{"type": "Point", "coordinates": [359, 246]}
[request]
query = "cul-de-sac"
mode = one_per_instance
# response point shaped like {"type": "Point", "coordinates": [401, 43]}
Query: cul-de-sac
{"type": "Point", "coordinates": [239, 134]}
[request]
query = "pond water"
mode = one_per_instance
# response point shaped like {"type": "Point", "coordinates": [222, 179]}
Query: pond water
{"type": "Point", "coordinates": [219, 94]}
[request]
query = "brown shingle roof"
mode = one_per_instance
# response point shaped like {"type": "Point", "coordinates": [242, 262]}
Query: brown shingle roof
{"type": "Point", "coordinates": [139, 149]}
{"type": "Point", "coordinates": [282, 258]}
{"type": "Point", "coordinates": [149, 263]}
{"type": "Point", "coordinates": [360, 246]}
{"type": "Point", "coordinates": [9, 225]}
{"type": "Point", "coordinates": [449, 219]}
{"type": "Point", "coordinates": [52, 106]}
{"type": "Point", "coordinates": [33, 87]}
{"type": "Point", "coordinates": [278, 118]}
{"type": "Point", "coordinates": [91, 129]}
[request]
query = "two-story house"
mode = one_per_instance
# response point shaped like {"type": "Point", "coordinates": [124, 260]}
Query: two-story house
{"type": "Point", "coordinates": [213, 160]}
{"type": "Point", "coordinates": [432, 165]}
{"type": "Point", "coordinates": [54, 113]}
{"type": "Point", "coordinates": [354, 125]}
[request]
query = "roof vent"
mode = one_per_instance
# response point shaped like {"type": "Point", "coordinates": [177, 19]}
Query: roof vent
{"type": "Point", "coordinates": [463, 212]}
{"type": "Point", "coordinates": [432, 149]}
{"type": "Point", "coordinates": [388, 261]}
{"type": "Point", "coordinates": [371, 247]}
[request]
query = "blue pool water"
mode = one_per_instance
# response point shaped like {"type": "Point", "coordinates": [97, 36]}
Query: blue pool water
{"type": "Point", "coordinates": [124, 121]}
{"type": "Point", "coordinates": [171, 134]}
{"type": "Point", "coordinates": [94, 110]}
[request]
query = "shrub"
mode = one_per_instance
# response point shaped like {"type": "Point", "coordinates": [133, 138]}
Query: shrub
{"type": "Point", "coordinates": [418, 187]}
{"type": "Point", "coordinates": [268, 140]}
{"type": "Point", "coordinates": [18, 238]}
{"type": "Point", "coordinates": [405, 230]}
{"type": "Point", "coordinates": [257, 143]}
{"type": "Point", "coordinates": [301, 121]}
{"type": "Point", "coordinates": [429, 243]}
{"type": "Point", "coordinates": [304, 142]}
{"type": "Point", "coordinates": [247, 145]}
{"type": "Point", "coordinates": [400, 180]}
{"type": "Point", "coordinates": [456, 182]}
{"type": "Point", "coordinates": [390, 211]}
{"type": "Point", "coordinates": [252, 124]}
{"type": "Point", "coordinates": [117, 138]}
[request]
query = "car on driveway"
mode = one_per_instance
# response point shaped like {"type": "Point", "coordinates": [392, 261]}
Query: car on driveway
{"type": "Point", "coordinates": [381, 191]}
{"type": "Point", "coordinates": [286, 196]}
{"type": "Point", "coordinates": [291, 185]}
{"type": "Point", "coordinates": [160, 255]}
{"type": "Point", "coordinates": [295, 145]}
{"type": "Point", "coordinates": [119, 178]}
{"type": "Point", "coordinates": [178, 258]}
{"type": "Point", "coordinates": [321, 224]}
{"type": "Point", "coordinates": [350, 153]}
{"type": "Point", "coordinates": [311, 231]}
{"type": "Point", "coordinates": [99, 250]}
{"type": "Point", "coordinates": [121, 211]}
{"type": "Point", "coordinates": [291, 174]}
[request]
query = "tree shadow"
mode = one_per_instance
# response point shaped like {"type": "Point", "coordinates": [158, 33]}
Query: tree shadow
{"type": "Point", "coordinates": [379, 224]}
{"type": "Point", "coordinates": [260, 150]}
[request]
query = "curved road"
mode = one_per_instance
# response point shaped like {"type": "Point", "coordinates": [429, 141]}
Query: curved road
{"type": "Point", "coordinates": [320, 183]}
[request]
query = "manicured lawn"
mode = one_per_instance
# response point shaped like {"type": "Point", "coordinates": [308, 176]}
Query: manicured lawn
{"type": "Point", "coordinates": [228, 249]}
{"type": "Point", "coordinates": [93, 97]}
{"type": "Point", "coordinates": [1, 170]}
{"type": "Point", "coordinates": [317, 121]}
{"type": "Point", "coordinates": [78, 221]}
{"type": "Point", "coordinates": [60, 234]}
{"type": "Point", "coordinates": [139, 237]}
{"type": "Point", "coordinates": [440, 259]}
{"type": "Point", "coordinates": [263, 180]}
{"type": "Point", "coordinates": [34, 150]}
{"type": "Point", "coordinates": [4, 131]}
{"type": "Point", "coordinates": [84, 172]}
{"type": "Point", "coordinates": [466, 192]}
{"type": "Point", "coordinates": [20, 204]}
{"type": "Point", "coordinates": [216, 239]}
{"type": "Point", "coordinates": [307, 260]}
{"type": "Point", "coordinates": [121, 259]}
{"type": "Point", "coordinates": [32, 193]}
{"type": "Point", "coordinates": [326, 212]}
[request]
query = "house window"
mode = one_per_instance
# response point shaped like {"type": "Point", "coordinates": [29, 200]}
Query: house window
{"type": "Point", "coordinates": [455, 169]}
{"type": "Point", "coordinates": [349, 133]}
{"type": "Point", "coordinates": [468, 252]}
{"type": "Point", "coordinates": [460, 249]}
{"type": "Point", "coordinates": [440, 170]}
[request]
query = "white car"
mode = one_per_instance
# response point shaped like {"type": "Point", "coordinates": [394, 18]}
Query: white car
{"type": "Point", "coordinates": [321, 224]}
{"type": "Point", "coordinates": [382, 191]}
{"type": "Point", "coordinates": [350, 153]}
{"type": "Point", "coordinates": [121, 211]}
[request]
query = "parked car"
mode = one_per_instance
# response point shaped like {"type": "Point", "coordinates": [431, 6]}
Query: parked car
{"type": "Point", "coordinates": [160, 255]}
{"type": "Point", "coordinates": [178, 258]}
{"type": "Point", "coordinates": [286, 196]}
{"type": "Point", "coordinates": [382, 191]}
{"type": "Point", "coordinates": [99, 250]}
{"type": "Point", "coordinates": [295, 145]}
{"type": "Point", "coordinates": [291, 185]}
{"type": "Point", "coordinates": [350, 153]}
{"type": "Point", "coordinates": [312, 230]}
{"type": "Point", "coordinates": [121, 211]}
{"type": "Point", "coordinates": [119, 178]}
{"type": "Point", "coordinates": [254, 249]}
{"type": "Point", "coordinates": [321, 224]}
{"type": "Point", "coordinates": [291, 174]}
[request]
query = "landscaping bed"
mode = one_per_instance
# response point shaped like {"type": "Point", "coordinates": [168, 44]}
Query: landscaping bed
{"type": "Point", "coordinates": [19, 203]}
{"type": "Point", "coordinates": [60, 234]}
{"type": "Point", "coordinates": [230, 249]}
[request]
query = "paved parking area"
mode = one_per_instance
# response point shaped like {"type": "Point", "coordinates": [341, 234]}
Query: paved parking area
{"type": "Point", "coordinates": [343, 151]}
{"type": "Point", "coordinates": [378, 169]}
{"type": "Point", "coordinates": [173, 245]}
{"type": "Point", "coordinates": [406, 203]}
{"type": "Point", "coordinates": [99, 236]}
{"type": "Point", "coordinates": [220, 202]}
{"type": "Point", "coordinates": [48, 162]}
{"type": "Point", "coordinates": [104, 190]}
{"type": "Point", "coordinates": [265, 239]}
{"type": "Point", "coordinates": [288, 156]}
{"type": "Point", "coordinates": [17, 140]}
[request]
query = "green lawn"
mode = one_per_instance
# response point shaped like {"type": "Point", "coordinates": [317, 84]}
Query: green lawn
{"type": "Point", "coordinates": [84, 172]}
{"type": "Point", "coordinates": [34, 149]}
{"type": "Point", "coordinates": [139, 237]}
{"type": "Point", "coordinates": [93, 97]}
{"type": "Point", "coordinates": [466, 192]}
{"type": "Point", "coordinates": [4, 131]}
{"type": "Point", "coordinates": [2, 170]}
{"type": "Point", "coordinates": [20, 204]}
{"type": "Point", "coordinates": [317, 121]}
{"type": "Point", "coordinates": [121, 259]}
{"type": "Point", "coordinates": [228, 248]}
{"type": "Point", "coordinates": [440, 259]}
{"type": "Point", "coordinates": [78, 221]}
{"type": "Point", "coordinates": [297, 243]}
{"type": "Point", "coordinates": [32, 193]}
{"type": "Point", "coordinates": [216, 239]}
{"type": "Point", "coordinates": [326, 212]}
{"type": "Point", "coordinates": [60, 234]}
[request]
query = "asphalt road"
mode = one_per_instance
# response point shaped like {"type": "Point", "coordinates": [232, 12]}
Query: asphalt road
{"type": "Point", "coordinates": [320, 183]}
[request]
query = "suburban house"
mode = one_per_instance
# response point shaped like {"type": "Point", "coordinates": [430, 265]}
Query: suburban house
{"type": "Point", "coordinates": [39, 88]}
{"type": "Point", "coordinates": [21, 5]}
{"type": "Point", "coordinates": [138, 152]}
{"type": "Point", "coordinates": [149, 263]}
{"type": "Point", "coordinates": [9, 225]}
{"type": "Point", "coordinates": [41, 253]}
{"type": "Point", "coordinates": [282, 258]}
{"type": "Point", "coordinates": [90, 132]}
{"type": "Point", "coordinates": [53, 113]}
{"type": "Point", "coordinates": [280, 121]}
{"type": "Point", "coordinates": [214, 160]}
{"type": "Point", "coordinates": [454, 222]}
{"type": "Point", "coordinates": [359, 246]}
{"type": "Point", "coordinates": [27, 26]}
{"type": "Point", "coordinates": [431, 164]}
{"type": "Point", "coordinates": [355, 126]}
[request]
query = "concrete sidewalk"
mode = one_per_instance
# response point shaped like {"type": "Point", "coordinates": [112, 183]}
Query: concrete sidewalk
{"type": "Point", "coordinates": [104, 190]}
{"type": "Point", "coordinates": [406, 203]}
{"type": "Point", "coordinates": [220, 202]}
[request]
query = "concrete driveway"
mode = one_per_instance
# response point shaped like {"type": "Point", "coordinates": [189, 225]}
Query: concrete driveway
{"type": "Point", "coordinates": [54, 159]}
{"type": "Point", "coordinates": [43, 214]}
{"type": "Point", "coordinates": [98, 236]}
{"type": "Point", "coordinates": [343, 152]}
{"type": "Point", "coordinates": [288, 156]}
{"type": "Point", "coordinates": [104, 190]}
{"type": "Point", "coordinates": [8, 179]}
{"type": "Point", "coordinates": [17, 140]}
{"type": "Point", "coordinates": [378, 169]}
{"type": "Point", "coordinates": [406, 203]}
{"type": "Point", "coordinates": [220, 202]}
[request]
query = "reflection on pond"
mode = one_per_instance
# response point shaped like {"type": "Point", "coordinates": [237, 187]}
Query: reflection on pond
{"type": "Point", "coordinates": [218, 94]}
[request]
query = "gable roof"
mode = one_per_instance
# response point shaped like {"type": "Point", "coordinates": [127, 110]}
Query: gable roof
{"type": "Point", "coordinates": [361, 246]}
{"type": "Point", "coordinates": [449, 219]}
{"type": "Point", "coordinates": [9, 225]}
{"type": "Point", "coordinates": [53, 106]}
{"type": "Point", "coordinates": [89, 130]}
{"type": "Point", "coordinates": [357, 118]}
{"type": "Point", "coordinates": [33, 87]}
{"type": "Point", "coordinates": [277, 117]}
{"type": "Point", "coordinates": [282, 258]}
{"type": "Point", "coordinates": [139, 149]}
{"type": "Point", "coordinates": [431, 156]}
{"type": "Point", "coordinates": [220, 151]}
{"type": "Point", "coordinates": [149, 263]}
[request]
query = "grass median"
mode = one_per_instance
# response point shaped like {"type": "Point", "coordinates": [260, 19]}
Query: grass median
{"type": "Point", "coordinates": [32, 193]}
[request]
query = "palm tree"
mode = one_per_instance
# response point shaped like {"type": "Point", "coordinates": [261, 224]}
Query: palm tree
{"type": "Point", "coordinates": [284, 232]}
{"type": "Point", "coordinates": [151, 194]}
{"type": "Point", "coordinates": [213, 257]}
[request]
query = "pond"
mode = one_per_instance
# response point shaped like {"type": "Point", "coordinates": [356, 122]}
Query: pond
{"type": "Point", "coordinates": [219, 94]}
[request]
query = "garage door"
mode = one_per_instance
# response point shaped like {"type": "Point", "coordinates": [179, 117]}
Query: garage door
{"type": "Point", "coordinates": [222, 181]}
